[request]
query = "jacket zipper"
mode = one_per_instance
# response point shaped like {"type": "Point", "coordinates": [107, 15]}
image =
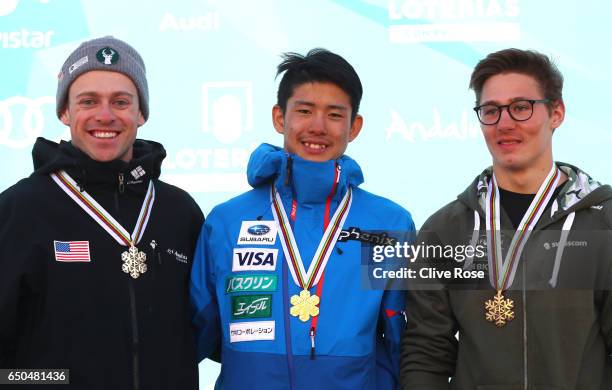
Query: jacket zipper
{"type": "Point", "coordinates": [287, 318]}
{"type": "Point", "coordinates": [557, 217]}
{"type": "Point", "coordinates": [286, 304]}
{"type": "Point", "coordinates": [121, 183]}
{"type": "Point", "coordinates": [135, 362]}
{"type": "Point", "coordinates": [541, 226]}
{"type": "Point", "coordinates": [154, 255]}
{"type": "Point", "coordinates": [315, 320]}
{"type": "Point", "coordinates": [133, 315]}
{"type": "Point", "coordinates": [525, 355]}
{"type": "Point", "coordinates": [287, 322]}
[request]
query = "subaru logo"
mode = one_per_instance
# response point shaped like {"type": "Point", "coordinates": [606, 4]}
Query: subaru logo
{"type": "Point", "coordinates": [258, 230]}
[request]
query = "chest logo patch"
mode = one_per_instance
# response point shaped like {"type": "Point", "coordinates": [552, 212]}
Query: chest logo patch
{"type": "Point", "coordinates": [252, 331]}
{"type": "Point", "coordinates": [257, 232]}
{"type": "Point", "coordinates": [254, 259]}
{"type": "Point", "coordinates": [72, 251]}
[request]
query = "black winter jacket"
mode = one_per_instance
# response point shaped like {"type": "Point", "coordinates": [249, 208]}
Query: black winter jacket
{"type": "Point", "coordinates": [110, 330]}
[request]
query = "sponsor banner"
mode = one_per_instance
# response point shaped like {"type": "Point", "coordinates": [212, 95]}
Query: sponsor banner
{"type": "Point", "coordinates": [251, 306]}
{"type": "Point", "coordinates": [250, 283]}
{"type": "Point", "coordinates": [452, 32]}
{"type": "Point", "coordinates": [22, 120]}
{"type": "Point", "coordinates": [257, 232]}
{"type": "Point", "coordinates": [254, 259]}
{"type": "Point", "coordinates": [25, 39]}
{"type": "Point", "coordinates": [192, 23]}
{"type": "Point", "coordinates": [252, 331]}
{"type": "Point", "coordinates": [417, 21]}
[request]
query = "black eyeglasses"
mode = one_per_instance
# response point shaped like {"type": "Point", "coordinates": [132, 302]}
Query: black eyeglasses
{"type": "Point", "coordinates": [520, 110]}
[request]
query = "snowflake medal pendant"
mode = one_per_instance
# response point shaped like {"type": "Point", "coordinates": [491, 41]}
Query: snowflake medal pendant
{"type": "Point", "coordinates": [134, 262]}
{"type": "Point", "coordinates": [499, 309]}
{"type": "Point", "coordinates": [304, 305]}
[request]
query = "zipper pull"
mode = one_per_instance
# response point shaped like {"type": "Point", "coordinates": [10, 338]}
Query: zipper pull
{"type": "Point", "coordinates": [121, 183]}
{"type": "Point", "coordinates": [155, 251]}
{"type": "Point", "coordinates": [312, 343]}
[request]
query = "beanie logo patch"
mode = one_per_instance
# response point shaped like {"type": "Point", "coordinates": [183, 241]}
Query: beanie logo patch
{"type": "Point", "coordinates": [107, 56]}
{"type": "Point", "coordinates": [77, 64]}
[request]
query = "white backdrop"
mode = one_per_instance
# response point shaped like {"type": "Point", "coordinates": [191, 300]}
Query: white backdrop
{"type": "Point", "coordinates": [211, 67]}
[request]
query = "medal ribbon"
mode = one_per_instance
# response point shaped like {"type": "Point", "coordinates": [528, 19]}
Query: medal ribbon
{"type": "Point", "coordinates": [292, 254]}
{"type": "Point", "coordinates": [503, 271]}
{"type": "Point", "coordinates": [315, 320]}
{"type": "Point", "coordinates": [101, 216]}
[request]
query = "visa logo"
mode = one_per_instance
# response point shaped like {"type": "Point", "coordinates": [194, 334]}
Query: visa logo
{"type": "Point", "coordinates": [254, 259]}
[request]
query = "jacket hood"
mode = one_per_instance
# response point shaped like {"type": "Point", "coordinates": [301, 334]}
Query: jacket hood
{"type": "Point", "coordinates": [49, 157]}
{"type": "Point", "coordinates": [307, 181]}
{"type": "Point", "coordinates": [579, 191]}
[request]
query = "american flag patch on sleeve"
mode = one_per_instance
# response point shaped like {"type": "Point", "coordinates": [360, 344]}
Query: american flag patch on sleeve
{"type": "Point", "coordinates": [71, 251]}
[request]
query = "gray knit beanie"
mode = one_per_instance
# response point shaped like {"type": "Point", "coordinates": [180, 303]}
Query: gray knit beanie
{"type": "Point", "coordinates": [106, 53]}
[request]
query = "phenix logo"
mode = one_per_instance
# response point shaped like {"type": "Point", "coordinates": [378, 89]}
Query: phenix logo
{"type": "Point", "coordinates": [354, 233]}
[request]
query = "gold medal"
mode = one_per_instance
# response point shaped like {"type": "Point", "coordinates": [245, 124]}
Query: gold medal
{"type": "Point", "coordinates": [134, 262]}
{"type": "Point", "coordinates": [499, 309]}
{"type": "Point", "coordinates": [304, 305]}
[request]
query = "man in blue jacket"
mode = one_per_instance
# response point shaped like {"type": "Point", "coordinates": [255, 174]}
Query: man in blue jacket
{"type": "Point", "coordinates": [276, 275]}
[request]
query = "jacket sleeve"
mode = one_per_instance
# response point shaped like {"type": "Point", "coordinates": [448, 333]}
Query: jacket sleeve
{"type": "Point", "coordinates": [428, 346]}
{"type": "Point", "coordinates": [13, 255]}
{"type": "Point", "coordinates": [391, 325]}
{"type": "Point", "coordinates": [392, 322]}
{"type": "Point", "coordinates": [605, 286]}
{"type": "Point", "coordinates": [606, 322]}
{"type": "Point", "coordinates": [203, 299]}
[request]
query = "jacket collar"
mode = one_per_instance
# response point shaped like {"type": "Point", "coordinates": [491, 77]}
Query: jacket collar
{"type": "Point", "coordinates": [145, 165]}
{"type": "Point", "coordinates": [308, 182]}
{"type": "Point", "coordinates": [579, 191]}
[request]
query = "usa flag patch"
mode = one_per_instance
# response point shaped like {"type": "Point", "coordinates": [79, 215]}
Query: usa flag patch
{"type": "Point", "coordinates": [71, 251]}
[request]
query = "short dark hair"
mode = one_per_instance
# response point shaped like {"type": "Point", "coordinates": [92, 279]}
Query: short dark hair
{"type": "Point", "coordinates": [527, 62]}
{"type": "Point", "coordinates": [319, 65]}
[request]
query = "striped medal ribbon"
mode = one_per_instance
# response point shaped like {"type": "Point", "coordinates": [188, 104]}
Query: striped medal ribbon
{"type": "Point", "coordinates": [304, 305]}
{"type": "Point", "coordinates": [133, 259]}
{"type": "Point", "coordinates": [502, 271]}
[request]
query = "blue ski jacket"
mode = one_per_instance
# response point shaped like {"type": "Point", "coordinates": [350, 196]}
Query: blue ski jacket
{"type": "Point", "coordinates": [241, 285]}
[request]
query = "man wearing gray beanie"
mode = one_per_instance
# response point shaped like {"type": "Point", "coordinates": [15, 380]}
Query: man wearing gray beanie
{"type": "Point", "coordinates": [95, 250]}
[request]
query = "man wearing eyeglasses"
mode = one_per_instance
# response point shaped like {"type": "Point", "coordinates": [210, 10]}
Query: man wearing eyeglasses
{"type": "Point", "coordinates": [541, 315]}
